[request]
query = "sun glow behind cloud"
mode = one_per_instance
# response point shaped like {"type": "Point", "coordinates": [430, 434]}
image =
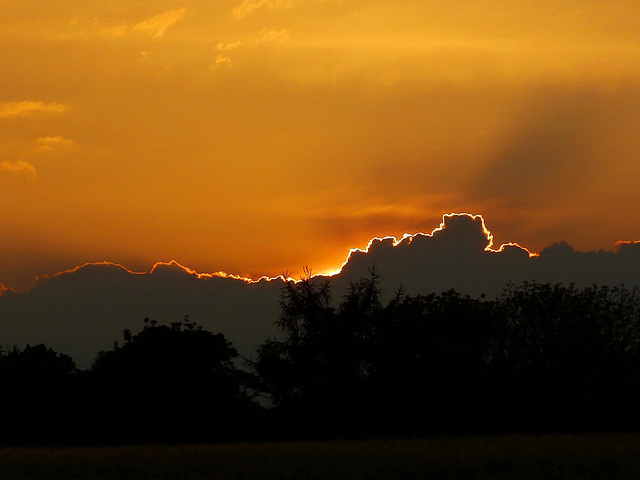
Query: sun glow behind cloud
{"type": "Point", "coordinates": [407, 238]}
{"type": "Point", "coordinates": [472, 225]}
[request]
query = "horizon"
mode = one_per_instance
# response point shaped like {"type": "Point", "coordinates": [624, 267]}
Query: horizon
{"type": "Point", "coordinates": [78, 310]}
{"type": "Point", "coordinates": [406, 239]}
{"type": "Point", "coordinates": [288, 276]}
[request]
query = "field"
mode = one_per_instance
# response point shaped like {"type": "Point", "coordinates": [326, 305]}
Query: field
{"type": "Point", "coordinates": [614, 456]}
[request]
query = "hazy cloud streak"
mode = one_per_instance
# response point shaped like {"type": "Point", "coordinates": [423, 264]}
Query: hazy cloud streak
{"type": "Point", "coordinates": [50, 144]}
{"type": "Point", "coordinates": [247, 7]}
{"type": "Point", "coordinates": [281, 35]}
{"type": "Point", "coordinates": [29, 107]}
{"type": "Point", "coordinates": [157, 25]}
{"type": "Point", "coordinates": [17, 166]}
{"type": "Point", "coordinates": [57, 140]}
{"type": "Point", "coordinates": [229, 46]}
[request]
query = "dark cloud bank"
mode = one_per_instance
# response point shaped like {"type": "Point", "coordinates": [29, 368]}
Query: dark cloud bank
{"type": "Point", "coordinates": [86, 310]}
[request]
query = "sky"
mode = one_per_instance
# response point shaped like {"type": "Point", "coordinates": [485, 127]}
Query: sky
{"type": "Point", "coordinates": [259, 136]}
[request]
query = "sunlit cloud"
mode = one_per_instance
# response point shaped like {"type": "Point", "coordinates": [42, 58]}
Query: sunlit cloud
{"type": "Point", "coordinates": [247, 7]}
{"type": "Point", "coordinates": [29, 107]}
{"type": "Point", "coordinates": [17, 166]}
{"type": "Point", "coordinates": [228, 46]}
{"type": "Point", "coordinates": [223, 61]}
{"type": "Point", "coordinates": [115, 30]}
{"type": "Point", "coordinates": [57, 140]}
{"type": "Point", "coordinates": [268, 35]}
{"type": "Point", "coordinates": [4, 289]}
{"type": "Point", "coordinates": [52, 143]}
{"type": "Point", "coordinates": [157, 25]}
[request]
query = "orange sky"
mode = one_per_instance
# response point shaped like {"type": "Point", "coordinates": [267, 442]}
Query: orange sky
{"type": "Point", "coordinates": [259, 136]}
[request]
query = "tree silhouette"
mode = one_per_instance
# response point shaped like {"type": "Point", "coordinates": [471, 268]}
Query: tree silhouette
{"type": "Point", "coordinates": [313, 373]}
{"type": "Point", "coordinates": [37, 388]}
{"type": "Point", "coordinates": [568, 358]}
{"type": "Point", "coordinates": [540, 357]}
{"type": "Point", "coordinates": [170, 383]}
{"type": "Point", "coordinates": [428, 365]}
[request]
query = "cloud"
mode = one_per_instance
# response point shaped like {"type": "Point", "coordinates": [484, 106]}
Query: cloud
{"type": "Point", "coordinates": [49, 144]}
{"type": "Point", "coordinates": [103, 299]}
{"type": "Point", "coordinates": [247, 7]}
{"type": "Point", "coordinates": [115, 30]}
{"type": "Point", "coordinates": [229, 46]}
{"type": "Point", "coordinates": [223, 61]}
{"type": "Point", "coordinates": [56, 140]}
{"type": "Point", "coordinates": [17, 166]}
{"type": "Point", "coordinates": [157, 25]}
{"type": "Point", "coordinates": [268, 35]}
{"type": "Point", "coordinates": [29, 107]}
{"type": "Point", "coordinates": [460, 254]}
{"type": "Point", "coordinates": [83, 310]}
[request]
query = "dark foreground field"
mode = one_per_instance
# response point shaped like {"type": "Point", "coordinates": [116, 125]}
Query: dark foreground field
{"type": "Point", "coordinates": [509, 457]}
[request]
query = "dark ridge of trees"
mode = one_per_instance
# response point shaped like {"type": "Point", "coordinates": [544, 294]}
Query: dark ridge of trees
{"type": "Point", "coordinates": [568, 358]}
{"type": "Point", "coordinates": [539, 358]}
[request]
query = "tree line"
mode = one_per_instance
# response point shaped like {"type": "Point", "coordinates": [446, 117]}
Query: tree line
{"type": "Point", "coordinates": [538, 358]}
